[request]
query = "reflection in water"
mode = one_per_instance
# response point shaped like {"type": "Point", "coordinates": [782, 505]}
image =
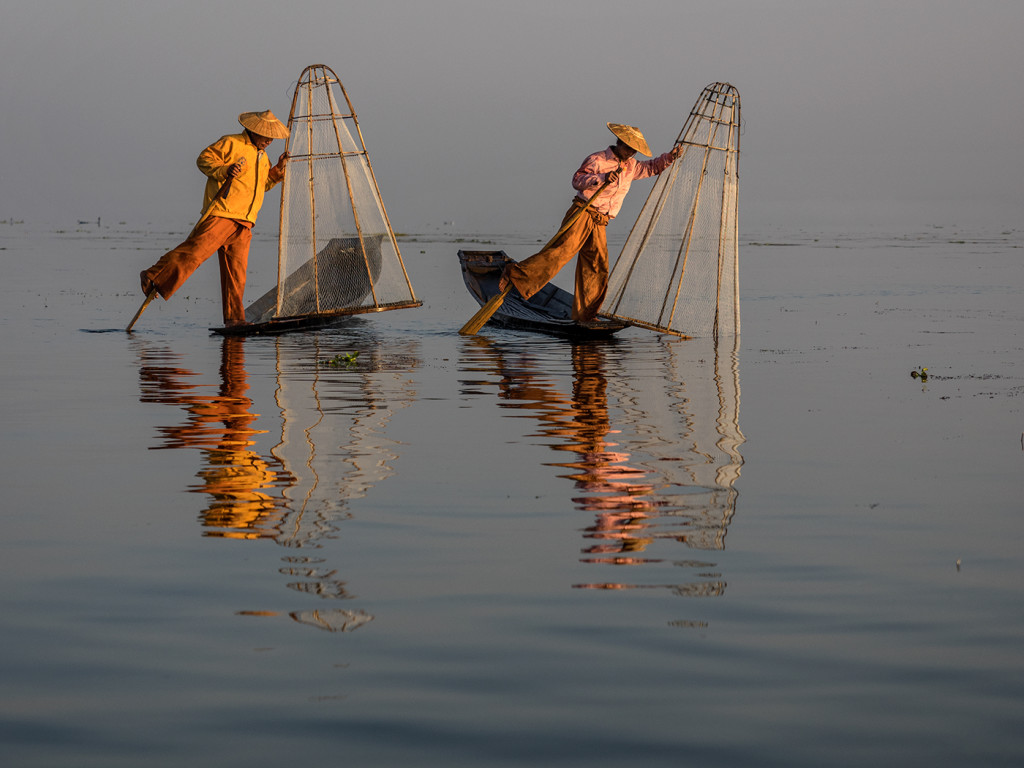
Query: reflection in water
{"type": "Point", "coordinates": [295, 493]}
{"type": "Point", "coordinates": [662, 471]}
{"type": "Point", "coordinates": [238, 481]}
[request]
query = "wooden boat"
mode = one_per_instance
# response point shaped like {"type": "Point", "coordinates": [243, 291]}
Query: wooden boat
{"type": "Point", "coordinates": [284, 325]}
{"type": "Point", "coordinates": [548, 311]}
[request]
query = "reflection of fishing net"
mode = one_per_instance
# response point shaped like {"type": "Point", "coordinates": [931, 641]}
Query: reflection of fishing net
{"type": "Point", "coordinates": [337, 253]}
{"type": "Point", "coordinates": [335, 620]}
{"type": "Point", "coordinates": [678, 270]}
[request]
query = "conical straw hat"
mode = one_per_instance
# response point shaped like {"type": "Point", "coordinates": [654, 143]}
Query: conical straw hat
{"type": "Point", "coordinates": [631, 137]}
{"type": "Point", "coordinates": [264, 124]}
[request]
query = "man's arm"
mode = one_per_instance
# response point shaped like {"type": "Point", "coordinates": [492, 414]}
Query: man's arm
{"type": "Point", "coordinates": [656, 165]}
{"type": "Point", "coordinates": [276, 174]}
{"type": "Point", "coordinates": [216, 162]}
{"type": "Point", "coordinates": [590, 175]}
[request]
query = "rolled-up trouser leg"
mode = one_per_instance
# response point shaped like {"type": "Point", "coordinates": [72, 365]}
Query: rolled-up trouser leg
{"type": "Point", "coordinates": [178, 264]}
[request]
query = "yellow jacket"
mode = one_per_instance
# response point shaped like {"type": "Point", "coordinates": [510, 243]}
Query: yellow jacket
{"type": "Point", "coordinates": [245, 196]}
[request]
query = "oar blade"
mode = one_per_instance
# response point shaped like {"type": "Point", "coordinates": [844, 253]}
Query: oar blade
{"type": "Point", "coordinates": [485, 313]}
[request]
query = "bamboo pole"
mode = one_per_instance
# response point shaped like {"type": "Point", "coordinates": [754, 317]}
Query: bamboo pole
{"type": "Point", "coordinates": [714, 121]}
{"type": "Point", "coordinates": [361, 150]}
{"type": "Point", "coordinates": [149, 297]}
{"type": "Point", "coordinates": [283, 214]}
{"type": "Point", "coordinates": [312, 189]}
{"type": "Point", "coordinates": [685, 246]}
{"type": "Point", "coordinates": [376, 189]}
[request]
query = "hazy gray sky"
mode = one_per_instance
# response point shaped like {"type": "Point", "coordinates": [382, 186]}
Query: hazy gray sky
{"type": "Point", "coordinates": [478, 112]}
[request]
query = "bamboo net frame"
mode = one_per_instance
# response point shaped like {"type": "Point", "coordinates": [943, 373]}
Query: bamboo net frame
{"type": "Point", "coordinates": [337, 250]}
{"type": "Point", "coordinates": [678, 272]}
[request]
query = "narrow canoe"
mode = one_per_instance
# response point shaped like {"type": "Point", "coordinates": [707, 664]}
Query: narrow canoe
{"type": "Point", "coordinates": [548, 311]}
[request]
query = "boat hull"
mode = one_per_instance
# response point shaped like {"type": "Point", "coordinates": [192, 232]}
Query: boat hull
{"type": "Point", "coordinates": [548, 311]}
{"type": "Point", "coordinates": [305, 322]}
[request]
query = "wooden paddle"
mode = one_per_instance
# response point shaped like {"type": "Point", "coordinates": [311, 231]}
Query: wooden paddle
{"type": "Point", "coordinates": [486, 312]}
{"type": "Point", "coordinates": [222, 192]}
{"type": "Point", "coordinates": [145, 303]}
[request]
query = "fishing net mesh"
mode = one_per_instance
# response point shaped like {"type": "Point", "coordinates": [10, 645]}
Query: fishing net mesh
{"type": "Point", "coordinates": [337, 253]}
{"type": "Point", "coordinates": [678, 270]}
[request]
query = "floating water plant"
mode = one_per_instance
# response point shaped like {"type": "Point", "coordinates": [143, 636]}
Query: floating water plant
{"type": "Point", "coordinates": [341, 361]}
{"type": "Point", "coordinates": [920, 373]}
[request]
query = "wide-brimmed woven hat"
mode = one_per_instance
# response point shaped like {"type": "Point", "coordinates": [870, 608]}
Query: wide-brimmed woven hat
{"type": "Point", "coordinates": [264, 124]}
{"type": "Point", "coordinates": [631, 137]}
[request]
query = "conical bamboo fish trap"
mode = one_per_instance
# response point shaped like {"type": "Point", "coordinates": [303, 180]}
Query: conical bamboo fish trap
{"type": "Point", "coordinates": [678, 270]}
{"type": "Point", "coordinates": [337, 252]}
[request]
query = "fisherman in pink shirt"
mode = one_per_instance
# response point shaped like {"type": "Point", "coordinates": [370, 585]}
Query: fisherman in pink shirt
{"type": "Point", "coordinates": [617, 166]}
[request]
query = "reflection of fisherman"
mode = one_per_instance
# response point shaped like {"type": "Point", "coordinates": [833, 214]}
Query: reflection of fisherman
{"type": "Point", "coordinates": [235, 477]}
{"type": "Point", "coordinates": [239, 173]}
{"type": "Point", "coordinates": [615, 491]}
{"type": "Point", "coordinates": [240, 482]}
{"type": "Point", "coordinates": [617, 166]}
{"type": "Point", "coordinates": [621, 502]}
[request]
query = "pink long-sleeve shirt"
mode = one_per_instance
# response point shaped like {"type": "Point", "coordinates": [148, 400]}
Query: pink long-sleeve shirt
{"type": "Point", "coordinates": [592, 173]}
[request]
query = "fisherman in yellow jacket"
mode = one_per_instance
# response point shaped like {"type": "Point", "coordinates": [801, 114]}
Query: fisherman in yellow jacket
{"type": "Point", "coordinates": [239, 173]}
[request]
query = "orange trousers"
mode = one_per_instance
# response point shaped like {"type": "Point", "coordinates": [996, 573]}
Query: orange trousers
{"type": "Point", "coordinates": [230, 239]}
{"type": "Point", "coordinates": [586, 237]}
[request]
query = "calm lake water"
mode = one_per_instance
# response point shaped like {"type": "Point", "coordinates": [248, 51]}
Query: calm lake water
{"type": "Point", "coordinates": [511, 549]}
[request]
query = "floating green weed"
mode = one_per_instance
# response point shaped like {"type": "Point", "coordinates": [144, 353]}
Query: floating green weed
{"type": "Point", "coordinates": [341, 361]}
